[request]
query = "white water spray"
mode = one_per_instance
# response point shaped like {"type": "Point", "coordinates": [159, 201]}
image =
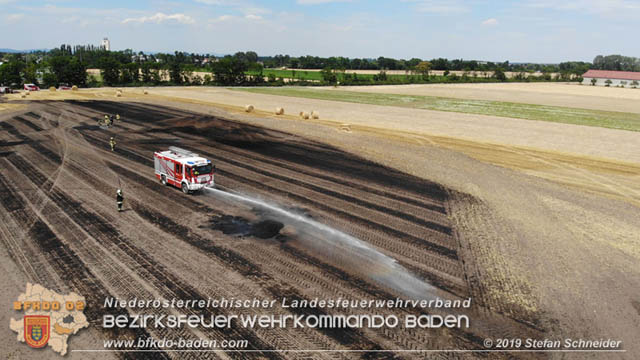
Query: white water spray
{"type": "Point", "coordinates": [345, 249]}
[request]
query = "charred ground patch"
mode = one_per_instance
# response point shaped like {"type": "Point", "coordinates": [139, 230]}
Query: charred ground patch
{"type": "Point", "coordinates": [403, 216]}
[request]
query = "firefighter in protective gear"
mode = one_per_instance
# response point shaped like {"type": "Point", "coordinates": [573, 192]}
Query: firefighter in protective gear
{"type": "Point", "coordinates": [112, 142]}
{"type": "Point", "coordinates": [106, 120]}
{"type": "Point", "coordinates": [119, 199]}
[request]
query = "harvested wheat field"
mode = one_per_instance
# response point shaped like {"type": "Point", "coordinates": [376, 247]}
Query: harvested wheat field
{"type": "Point", "coordinates": [559, 94]}
{"type": "Point", "coordinates": [536, 221]}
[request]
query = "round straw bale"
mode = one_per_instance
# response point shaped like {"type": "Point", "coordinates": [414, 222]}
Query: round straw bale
{"type": "Point", "coordinates": [23, 95]}
{"type": "Point", "coordinates": [279, 111]}
{"type": "Point", "coordinates": [52, 88]}
{"type": "Point", "coordinates": [248, 108]}
{"type": "Point", "coordinates": [315, 114]}
{"type": "Point", "coordinates": [305, 115]}
{"type": "Point", "coordinates": [74, 88]}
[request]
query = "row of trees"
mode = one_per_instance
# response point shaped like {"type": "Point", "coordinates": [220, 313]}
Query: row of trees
{"type": "Point", "coordinates": [178, 69]}
{"type": "Point", "coordinates": [422, 74]}
{"type": "Point", "coordinates": [50, 71]}
{"type": "Point", "coordinates": [616, 62]}
{"type": "Point", "coordinates": [68, 64]}
{"type": "Point", "coordinates": [383, 63]}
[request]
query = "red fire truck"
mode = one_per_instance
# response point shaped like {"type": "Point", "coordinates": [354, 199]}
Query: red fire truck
{"type": "Point", "coordinates": [183, 169]}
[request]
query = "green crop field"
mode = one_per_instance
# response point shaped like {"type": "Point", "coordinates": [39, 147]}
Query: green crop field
{"type": "Point", "coordinates": [599, 118]}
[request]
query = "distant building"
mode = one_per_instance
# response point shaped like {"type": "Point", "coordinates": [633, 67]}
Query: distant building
{"type": "Point", "coordinates": [106, 44]}
{"type": "Point", "coordinates": [611, 78]}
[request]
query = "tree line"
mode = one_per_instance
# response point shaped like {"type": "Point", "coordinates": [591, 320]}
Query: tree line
{"type": "Point", "coordinates": [616, 62]}
{"type": "Point", "coordinates": [384, 63]}
{"type": "Point", "coordinates": [68, 65]}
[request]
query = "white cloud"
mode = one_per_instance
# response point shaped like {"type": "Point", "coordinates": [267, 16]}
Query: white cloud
{"type": "Point", "coordinates": [316, 2]}
{"type": "Point", "coordinates": [608, 7]}
{"type": "Point", "coordinates": [242, 6]}
{"type": "Point", "coordinates": [12, 18]}
{"type": "Point", "coordinates": [441, 7]}
{"type": "Point", "coordinates": [228, 18]}
{"type": "Point", "coordinates": [254, 10]}
{"type": "Point", "coordinates": [222, 18]}
{"type": "Point", "coordinates": [490, 22]}
{"type": "Point", "coordinates": [160, 18]}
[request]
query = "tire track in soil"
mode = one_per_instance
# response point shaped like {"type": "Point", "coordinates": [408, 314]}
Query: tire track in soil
{"type": "Point", "coordinates": [277, 163]}
{"type": "Point", "coordinates": [106, 263]}
{"type": "Point", "coordinates": [137, 157]}
{"type": "Point", "coordinates": [52, 210]}
{"type": "Point", "coordinates": [348, 198]}
{"type": "Point", "coordinates": [350, 164]}
{"type": "Point", "coordinates": [182, 200]}
{"type": "Point", "coordinates": [32, 143]}
{"type": "Point", "coordinates": [164, 280]}
{"type": "Point", "coordinates": [28, 123]}
{"type": "Point", "coordinates": [130, 110]}
{"type": "Point", "coordinates": [467, 337]}
{"type": "Point", "coordinates": [411, 239]}
{"type": "Point", "coordinates": [69, 267]}
{"type": "Point", "coordinates": [243, 266]}
{"type": "Point", "coordinates": [145, 161]}
{"type": "Point", "coordinates": [133, 155]}
{"type": "Point", "coordinates": [410, 230]}
{"type": "Point", "coordinates": [314, 174]}
{"type": "Point", "coordinates": [319, 284]}
{"type": "Point", "coordinates": [347, 337]}
{"type": "Point", "coordinates": [302, 166]}
{"type": "Point", "coordinates": [22, 253]}
{"type": "Point", "coordinates": [249, 268]}
{"type": "Point", "coordinates": [474, 272]}
{"type": "Point", "coordinates": [147, 115]}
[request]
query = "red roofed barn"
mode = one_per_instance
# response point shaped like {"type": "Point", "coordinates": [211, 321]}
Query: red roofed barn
{"type": "Point", "coordinates": [612, 78]}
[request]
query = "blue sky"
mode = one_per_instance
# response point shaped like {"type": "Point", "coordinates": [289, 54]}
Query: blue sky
{"type": "Point", "coordinates": [518, 31]}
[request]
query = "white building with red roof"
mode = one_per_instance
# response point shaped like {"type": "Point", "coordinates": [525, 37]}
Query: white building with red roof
{"type": "Point", "coordinates": [612, 78]}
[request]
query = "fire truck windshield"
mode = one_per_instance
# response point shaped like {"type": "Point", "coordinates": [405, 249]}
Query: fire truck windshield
{"type": "Point", "coordinates": [202, 169]}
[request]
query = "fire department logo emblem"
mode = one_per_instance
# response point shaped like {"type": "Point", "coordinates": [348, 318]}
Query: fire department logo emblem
{"type": "Point", "coordinates": [49, 319]}
{"type": "Point", "coordinates": [36, 330]}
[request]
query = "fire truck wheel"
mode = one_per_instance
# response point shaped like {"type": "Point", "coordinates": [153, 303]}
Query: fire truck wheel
{"type": "Point", "coordinates": [163, 180]}
{"type": "Point", "coordinates": [185, 189]}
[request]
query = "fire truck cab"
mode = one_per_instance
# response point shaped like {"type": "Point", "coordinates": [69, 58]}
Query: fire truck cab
{"type": "Point", "coordinates": [183, 169]}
